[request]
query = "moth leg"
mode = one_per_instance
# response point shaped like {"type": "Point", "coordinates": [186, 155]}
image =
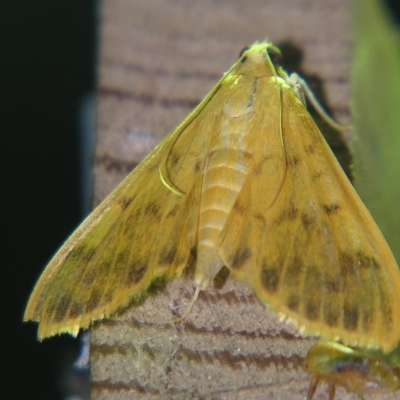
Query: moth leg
{"type": "Point", "coordinates": [303, 91]}
{"type": "Point", "coordinates": [312, 388]}
{"type": "Point", "coordinates": [189, 306]}
{"type": "Point", "coordinates": [332, 392]}
{"type": "Point", "coordinates": [208, 265]}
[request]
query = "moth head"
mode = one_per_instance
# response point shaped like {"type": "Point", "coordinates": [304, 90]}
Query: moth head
{"type": "Point", "coordinates": [260, 59]}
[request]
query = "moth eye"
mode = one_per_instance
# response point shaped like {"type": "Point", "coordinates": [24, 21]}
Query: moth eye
{"type": "Point", "coordinates": [275, 55]}
{"type": "Point", "coordinates": [244, 51]}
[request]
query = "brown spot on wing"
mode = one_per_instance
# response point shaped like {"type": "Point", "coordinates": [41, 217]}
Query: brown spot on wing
{"type": "Point", "coordinates": [136, 271]}
{"type": "Point", "coordinates": [193, 255]}
{"type": "Point", "coordinates": [122, 259]}
{"type": "Point", "coordinates": [91, 274]}
{"type": "Point", "coordinates": [310, 149]}
{"type": "Point", "coordinates": [188, 272]}
{"type": "Point", "coordinates": [197, 166]}
{"type": "Point", "coordinates": [258, 168]}
{"type": "Point", "coordinates": [167, 256]}
{"type": "Point", "coordinates": [331, 314]}
{"type": "Point", "coordinates": [317, 175]}
{"type": "Point", "coordinates": [307, 220]}
{"type": "Point", "coordinates": [174, 157]}
{"type": "Point", "coordinates": [130, 222]}
{"type": "Point", "coordinates": [367, 318]}
{"type": "Point", "coordinates": [81, 253]}
{"type": "Point", "coordinates": [293, 272]}
{"type": "Point", "coordinates": [332, 284]}
{"type": "Point", "coordinates": [313, 309]}
{"type": "Point", "coordinates": [75, 310]}
{"type": "Point", "coordinates": [89, 277]}
{"type": "Point", "coordinates": [152, 209]}
{"type": "Point", "coordinates": [240, 257]}
{"type": "Point", "coordinates": [331, 208]}
{"type": "Point", "coordinates": [77, 252]}
{"type": "Point", "coordinates": [221, 277]}
{"type": "Point", "coordinates": [270, 277]}
{"type": "Point", "coordinates": [261, 218]}
{"type": "Point", "coordinates": [350, 316]}
{"type": "Point", "coordinates": [87, 255]}
{"type": "Point", "coordinates": [288, 214]}
{"type": "Point", "coordinates": [125, 201]}
{"type": "Point", "coordinates": [293, 302]}
{"type": "Point", "coordinates": [293, 161]}
{"type": "Point", "coordinates": [93, 301]}
{"type": "Point", "coordinates": [346, 266]}
{"type": "Point", "coordinates": [108, 298]}
{"type": "Point", "coordinates": [62, 307]}
{"type": "Point", "coordinates": [312, 292]}
{"type": "Point", "coordinates": [239, 208]}
{"type": "Point", "coordinates": [39, 305]}
{"type": "Point", "coordinates": [386, 308]}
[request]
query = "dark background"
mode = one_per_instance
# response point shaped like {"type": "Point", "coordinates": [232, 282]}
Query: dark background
{"type": "Point", "coordinates": [47, 61]}
{"type": "Point", "coordinates": [47, 71]}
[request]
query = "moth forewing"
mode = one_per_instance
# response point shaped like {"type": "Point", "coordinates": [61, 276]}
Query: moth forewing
{"type": "Point", "coordinates": [319, 258]}
{"type": "Point", "coordinates": [140, 232]}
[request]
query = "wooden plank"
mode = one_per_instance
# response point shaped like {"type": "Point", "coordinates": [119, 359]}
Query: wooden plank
{"type": "Point", "coordinates": [157, 61]}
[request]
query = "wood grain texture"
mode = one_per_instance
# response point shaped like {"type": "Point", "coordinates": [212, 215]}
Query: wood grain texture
{"type": "Point", "coordinates": [230, 347]}
{"type": "Point", "coordinates": [158, 59]}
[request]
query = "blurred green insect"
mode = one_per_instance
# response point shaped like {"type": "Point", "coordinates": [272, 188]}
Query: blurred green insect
{"type": "Point", "coordinates": [355, 370]}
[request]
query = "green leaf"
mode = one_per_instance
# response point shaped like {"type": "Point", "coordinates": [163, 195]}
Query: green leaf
{"type": "Point", "coordinates": [376, 108]}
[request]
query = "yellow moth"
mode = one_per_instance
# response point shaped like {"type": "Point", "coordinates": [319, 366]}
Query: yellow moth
{"type": "Point", "coordinates": [355, 370]}
{"type": "Point", "coordinates": [246, 181]}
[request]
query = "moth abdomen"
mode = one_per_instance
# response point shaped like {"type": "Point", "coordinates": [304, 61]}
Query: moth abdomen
{"type": "Point", "coordinates": [224, 177]}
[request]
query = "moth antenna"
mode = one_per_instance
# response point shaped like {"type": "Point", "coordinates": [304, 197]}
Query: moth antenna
{"type": "Point", "coordinates": [302, 90]}
{"type": "Point", "coordinates": [189, 306]}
